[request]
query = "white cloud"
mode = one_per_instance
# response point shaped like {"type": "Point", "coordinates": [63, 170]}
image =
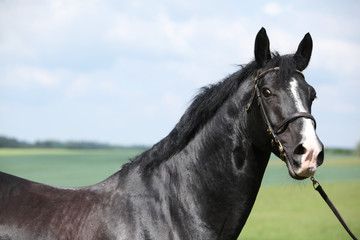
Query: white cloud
{"type": "Point", "coordinates": [272, 9]}
{"type": "Point", "coordinates": [24, 76]}
{"type": "Point", "coordinates": [92, 85]}
{"type": "Point", "coordinates": [78, 87]}
{"type": "Point", "coordinates": [337, 55]}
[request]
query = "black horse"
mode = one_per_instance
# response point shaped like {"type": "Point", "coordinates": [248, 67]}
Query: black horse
{"type": "Point", "coordinates": [199, 182]}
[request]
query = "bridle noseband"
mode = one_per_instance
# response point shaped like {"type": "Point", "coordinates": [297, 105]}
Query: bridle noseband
{"type": "Point", "coordinates": [274, 131]}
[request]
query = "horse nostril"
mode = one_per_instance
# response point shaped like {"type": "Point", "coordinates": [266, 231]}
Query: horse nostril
{"type": "Point", "coordinates": [300, 150]}
{"type": "Point", "coordinates": [320, 158]}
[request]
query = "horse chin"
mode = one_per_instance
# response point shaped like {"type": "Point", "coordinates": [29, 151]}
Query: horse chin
{"type": "Point", "coordinates": [290, 166]}
{"type": "Point", "coordinates": [291, 170]}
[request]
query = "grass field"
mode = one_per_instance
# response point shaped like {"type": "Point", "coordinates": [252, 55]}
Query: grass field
{"type": "Point", "coordinates": [62, 167]}
{"type": "Point", "coordinates": [285, 208]}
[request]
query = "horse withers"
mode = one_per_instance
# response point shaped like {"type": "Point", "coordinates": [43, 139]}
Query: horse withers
{"type": "Point", "coordinates": [199, 182]}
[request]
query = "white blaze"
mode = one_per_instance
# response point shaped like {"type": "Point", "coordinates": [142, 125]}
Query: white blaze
{"type": "Point", "coordinates": [309, 139]}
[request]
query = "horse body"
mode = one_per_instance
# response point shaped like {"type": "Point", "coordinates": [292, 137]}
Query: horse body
{"type": "Point", "coordinates": [199, 182]}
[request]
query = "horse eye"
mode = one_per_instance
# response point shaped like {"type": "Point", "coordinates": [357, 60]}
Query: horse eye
{"type": "Point", "coordinates": [266, 92]}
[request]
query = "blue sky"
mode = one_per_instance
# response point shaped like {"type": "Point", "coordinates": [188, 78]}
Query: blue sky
{"type": "Point", "coordinates": [123, 72]}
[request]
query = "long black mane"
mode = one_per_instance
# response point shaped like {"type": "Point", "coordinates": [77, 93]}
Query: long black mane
{"type": "Point", "coordinates": [200, 111]}
{"type": "Point", "coordinates": [205, 106]}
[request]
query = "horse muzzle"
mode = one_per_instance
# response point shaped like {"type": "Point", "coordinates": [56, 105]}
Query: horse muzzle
{"type": "Point", "coordinates": [305, 159]}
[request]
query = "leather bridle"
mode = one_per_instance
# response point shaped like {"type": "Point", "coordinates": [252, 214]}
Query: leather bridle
{"type": "Point", "coordinates": [275, 131]}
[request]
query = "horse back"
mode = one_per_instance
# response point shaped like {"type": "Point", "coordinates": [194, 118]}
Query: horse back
{"type": "Point", "coordinates": [12, 188]}
{"type": "Point", "coordinates": [30, 210]}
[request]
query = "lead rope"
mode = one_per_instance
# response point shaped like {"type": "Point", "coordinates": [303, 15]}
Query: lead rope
{"type": "Point", "coordinates": [321, 191]}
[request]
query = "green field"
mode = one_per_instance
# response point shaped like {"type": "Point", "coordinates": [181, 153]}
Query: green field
{"type": "Point", "coordinates": [285, 208]}
{"type": "Point", "coordinates": [62, 167]}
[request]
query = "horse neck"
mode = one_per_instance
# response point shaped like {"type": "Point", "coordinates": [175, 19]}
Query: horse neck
{"type": "Point", "coordinates": [220, 170]}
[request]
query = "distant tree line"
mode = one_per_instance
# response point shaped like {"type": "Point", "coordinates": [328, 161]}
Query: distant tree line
{"type": "Point", "coordinates": [7, 142]}
{"type": "Point", "coordinates": [340, 151]}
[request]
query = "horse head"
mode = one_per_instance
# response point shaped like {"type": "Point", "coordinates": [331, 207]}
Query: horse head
{"type": "Point", "coordinates": [285, 100]}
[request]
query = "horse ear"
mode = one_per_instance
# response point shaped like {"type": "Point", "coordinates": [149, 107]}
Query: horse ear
{"type": "Point", "coordinates": [303, 53]}
{"type": "Point", "coordinates": [262, 48]}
